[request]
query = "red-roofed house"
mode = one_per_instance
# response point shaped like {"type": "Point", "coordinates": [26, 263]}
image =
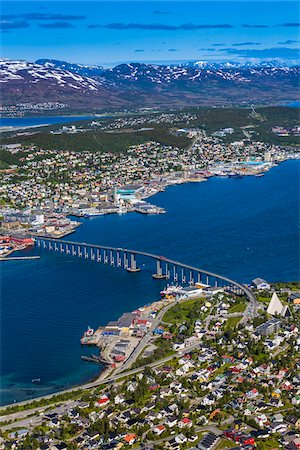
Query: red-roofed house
{"type": "Point", "coordinates": [102, 401]}
{"type": "Point", "coordinates": [130, 438]}
{"type": "Point", "coordinates": [186, 422]}
{"type": "Point", "coordinates": [158, 429]}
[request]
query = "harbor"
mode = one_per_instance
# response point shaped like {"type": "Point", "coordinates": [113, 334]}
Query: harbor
{"type": "Point", "coordinates": [118, 339]}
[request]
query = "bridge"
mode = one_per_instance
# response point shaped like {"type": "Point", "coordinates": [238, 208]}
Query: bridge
{"type": "Point", "coordinates": [126, 259]}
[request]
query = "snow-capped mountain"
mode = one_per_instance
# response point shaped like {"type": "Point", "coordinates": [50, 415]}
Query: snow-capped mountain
{"type": "Point", "coordinates": [80, 69]}
{"type": "Point", "coordinates": [34, 73]}
{"type": "Point", "coordinates": [138, 84]}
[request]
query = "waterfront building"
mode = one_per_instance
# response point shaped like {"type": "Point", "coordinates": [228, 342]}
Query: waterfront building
{"type": "Point", "coordinates": [261, 284]}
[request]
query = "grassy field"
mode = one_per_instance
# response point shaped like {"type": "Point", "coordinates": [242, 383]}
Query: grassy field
{"type": "Point", "coordinates": [232, 322]}
{"type": "Point", "coordinates": [180, 311]}
{"type": "Point", "coordinates": [267, 444]}
{"type": "Point", "coordinates": [224, 444]}
{"type": "Point", "coordinates": [238, 307]}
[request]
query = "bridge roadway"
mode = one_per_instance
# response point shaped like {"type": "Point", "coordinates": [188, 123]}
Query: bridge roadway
{"type": "Point", "coordinates": [247, 292]}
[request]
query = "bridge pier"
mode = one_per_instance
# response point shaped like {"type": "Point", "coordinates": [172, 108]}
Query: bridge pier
{"type": "Point", "coordinates": [175, 274]}
{"type": "Point", "coordinates": [167, 272]}
{"type": "Point", "coordinates": [105, 259]}
{"type": "Point", "coordinates": [112, 260]}
{"type": "Point", "coordinates": [125, 261]}
{"type": "Point", "coordinates": [98, 255]}
{"type": "Point", "coordinates": [133, 267]}
{"type": "Point", "coordinates": [119, 261]}
{"type": "Point", "coordinates": [159, 272]}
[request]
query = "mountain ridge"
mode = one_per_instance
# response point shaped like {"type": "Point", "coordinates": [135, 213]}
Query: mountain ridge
{"type": "Point", "coordinates": [140, 84]}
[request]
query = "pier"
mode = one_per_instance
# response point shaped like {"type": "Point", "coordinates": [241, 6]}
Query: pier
{"type": "Point", "coordinates": [19, 258]}
{"type": "Point", "coordinates": [126, 259]}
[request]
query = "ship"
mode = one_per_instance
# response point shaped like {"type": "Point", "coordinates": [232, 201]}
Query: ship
{"type": "Point", "coordinates": [169, 291]}
{"type": "Point", "coordinates": [86, 335]}
{"type": "Point", "coordinates": [35, 380]}
{"type": "Point", "coordinates": [92, 213]}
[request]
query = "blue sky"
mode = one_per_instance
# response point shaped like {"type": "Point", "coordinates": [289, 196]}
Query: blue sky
{"type": "Point", "coordinates": [95, 32]}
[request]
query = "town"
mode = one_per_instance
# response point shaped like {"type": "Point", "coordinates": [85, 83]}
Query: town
{"type": "Point", "coordinates": [212, 376]}
{"type": "Point", "coordinates": [43, 189]}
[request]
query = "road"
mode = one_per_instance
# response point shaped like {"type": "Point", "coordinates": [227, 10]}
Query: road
{"type": "Point", "coordinates": [145, 340]}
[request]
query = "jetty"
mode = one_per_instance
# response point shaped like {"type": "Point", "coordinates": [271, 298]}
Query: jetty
{"type": "Point", "coordinates": [19, 258]}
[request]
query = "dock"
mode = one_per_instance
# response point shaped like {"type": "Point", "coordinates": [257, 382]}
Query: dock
{"type": "Point", "coordinates": [18, 258]}
{"type": "Point", "coordinates": [94, 359]}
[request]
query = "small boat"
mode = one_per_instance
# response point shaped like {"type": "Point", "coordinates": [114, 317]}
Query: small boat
{"type": "Point", "coordinates": [35, 380]}
{"type": "Point", "coordinates": [234, 175]}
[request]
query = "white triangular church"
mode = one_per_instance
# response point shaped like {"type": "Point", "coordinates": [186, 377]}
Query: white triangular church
{"type": "Point", "coordinates": [276, 307]}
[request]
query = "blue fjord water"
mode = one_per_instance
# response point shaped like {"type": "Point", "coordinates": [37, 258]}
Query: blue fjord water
{"type": "Point", "coordinates": [242, 228]}
{"type": "Point", "coordinates": [38, 121]}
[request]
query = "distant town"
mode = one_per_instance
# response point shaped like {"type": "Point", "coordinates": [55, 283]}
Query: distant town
{"type": "Point", "coordinates": [43, 190]}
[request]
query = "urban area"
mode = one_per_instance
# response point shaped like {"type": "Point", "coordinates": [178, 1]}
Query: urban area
{"type": "Point", "coordinates": [43, 191]}
{"type": "Point", "coordinates": [212, 371]}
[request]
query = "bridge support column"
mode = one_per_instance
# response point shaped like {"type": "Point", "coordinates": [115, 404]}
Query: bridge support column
{"type": "Point", "coordinates": [159, 272]}
{"type": "Point", "coordinates": [167, 272]}
{"type": "Point", "coordinates": [216, 283]}
{"type": "Point", "coordinates": [125, 261]}
{"type": "Point", "coordinates": [199, 277]}
{"type": "Point", "coordinates": [98, 255]}
{"type": "Point", "coordinates": [92, 255]}
{"type": "Point", "coordinates": [133, 267]}
{"type": "Point", "coordinates": [105, 259]}
{"type": "Point", "coordinates": [207, 279]}
{"type": "Point", "coordinates": [191, 277]}
{"type": "Point", "coordinates": [175, 274]}
{"type": "Point", "coordinates": [112, 260]}
{"type": "Point", "coordinates": [119, 261]}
